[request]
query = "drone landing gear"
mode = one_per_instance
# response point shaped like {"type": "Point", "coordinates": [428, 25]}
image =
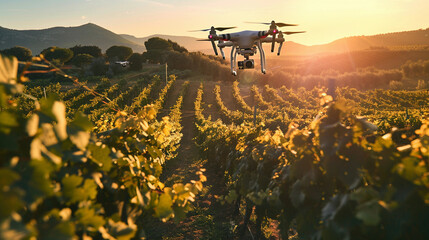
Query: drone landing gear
{"type": "Point", "coordinates": [233, 60]}
{"type": "Point", "coordinates": [262, 54]}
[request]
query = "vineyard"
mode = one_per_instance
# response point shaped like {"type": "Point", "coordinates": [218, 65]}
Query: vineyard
{"type": "Point", "coordinates": [145, 158]}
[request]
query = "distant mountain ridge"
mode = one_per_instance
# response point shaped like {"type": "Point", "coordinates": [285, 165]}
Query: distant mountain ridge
{"type": "Point", "coordinates": [87, 34]}
{"type": "Point", "coordinates": [91, 34]}
{"type": "Point", "coordinates": [356, 43]}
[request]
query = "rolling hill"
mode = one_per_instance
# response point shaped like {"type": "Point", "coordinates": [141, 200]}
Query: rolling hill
{"type": "Point", "coordinates": [91, 34]}
{"type": "Point", "coordinates": [88, 34]}
{"type": "Point", "coordinates": [397, 40]}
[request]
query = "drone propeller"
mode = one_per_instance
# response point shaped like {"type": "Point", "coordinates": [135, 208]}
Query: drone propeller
{"type": "Point", "coordinates": [289, 33]}
{"type": "Point", "coordinates": [207, 40]}
{"type": "Point", "coordinates": [213, 36]}
{"type": "Point", "coordinates": [273, 30]}
{"type": "Point", "coordinates": [277, 24]}
{"type": "Point", "coordinates": [217, 28]}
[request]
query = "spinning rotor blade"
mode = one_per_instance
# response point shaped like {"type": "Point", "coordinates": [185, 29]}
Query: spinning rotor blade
{"type": "Point", "coordinates": [202, 30]}
{"type": "Point", "coordinates": [217, 28]}
{"type": "Point", "coordinates": [285, 25]}
{"type": "Point", "coordinates": [289, 33]}
{"type": "Point", "coordinates": [207, 40]}
{"type": "Point", "coordinates": [224, 28]}
{"type": "Point", "coordinates": [277, 24]}
{"type": "Point", "coordinates": [258, 23]}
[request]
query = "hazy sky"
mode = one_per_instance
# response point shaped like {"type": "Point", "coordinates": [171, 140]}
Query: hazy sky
{"type": "Point", "coordinates": [324, 20]}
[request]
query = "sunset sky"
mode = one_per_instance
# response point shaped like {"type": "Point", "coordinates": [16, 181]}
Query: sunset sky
{"type": "Point", "coordinates": [324, 21]}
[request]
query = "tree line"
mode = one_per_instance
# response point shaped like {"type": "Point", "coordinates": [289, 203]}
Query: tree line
{"type": "Point", "coordinates": [93, 62]}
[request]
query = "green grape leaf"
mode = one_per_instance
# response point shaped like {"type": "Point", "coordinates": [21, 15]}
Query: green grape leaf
{"type": "Point", "coordinates": [82, 122]}
{"type": "Point", "coordinates": [369, 213]}
{"type": "Point", "coordinates": [62, 231]}
{"type": "Point", "coordinates": [7, 122]}
{"type": "Point", "coordinates": [231, 197]}
{"type": "Point", "coordinates": [87, 217]}
{"type": "Point", "coordinates": [9, 199]}
{"type": "Point", "coordinates": [7, 177]}
{"type": "Point", "coordinates": [74, 193]}
{"type": "Point", "coordinates": [163, 210]}
{"type": "Point", "coordinates": [101, 155]}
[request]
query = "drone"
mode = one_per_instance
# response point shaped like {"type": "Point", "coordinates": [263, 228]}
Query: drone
{"type": "Point", "coordinates": [246, 43]}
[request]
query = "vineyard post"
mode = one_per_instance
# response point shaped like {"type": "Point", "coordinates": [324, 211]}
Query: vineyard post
{"type": "Point", "coordinates": [44, 92]}
{"type": "Point", "coordinates": [166, 74]}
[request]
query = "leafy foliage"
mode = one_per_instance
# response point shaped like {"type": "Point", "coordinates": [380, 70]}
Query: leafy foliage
{"type": "Point", "coordinates": [335, 179]}
{"type": "Point", "coordinates": [21, 53]}
{"type": "Point", "coordinates": [60, 180]}
{"type": "Point", "coordinates": [60, 54]}
{"type": "Point", "coordinates": [91, 50]}
{"type": "Point", "coordinates": [136, 61]}
{"type": "Point", "coordinates": [82, 59]}
{"type": "Point", "coordinates": [120, 53]}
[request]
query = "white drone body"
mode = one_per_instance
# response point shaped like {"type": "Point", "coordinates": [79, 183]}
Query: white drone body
{"type": "Point", "coordinates": [247, 43]}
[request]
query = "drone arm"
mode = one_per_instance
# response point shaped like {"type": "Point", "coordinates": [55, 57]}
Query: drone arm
{"type": "Point", "coordinates": [225, 44]}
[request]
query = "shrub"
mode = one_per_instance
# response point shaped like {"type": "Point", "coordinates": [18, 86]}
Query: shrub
{"type": "Point", "coordinates": [136, 61]}
{"type": "Point", "coordinates": [91, 50]}
{"type": "Point", "coordinates": [120, 53]}
{"type": "Point", "coordinates": [99, 67]}
{"type": "Point", "coordinates": [22, 53]}
{"type": "Point", "coordinates": [82, 59]}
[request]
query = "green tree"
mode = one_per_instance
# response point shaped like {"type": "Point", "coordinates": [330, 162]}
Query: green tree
{"type": "Point", "coordinates": [60, 54]}
{"type": "Point", "coordinates": [176, 47]}
{"type": "Point", "coordinates": [154, 56]}
{"type": "Point", "coordinates": [82, 59]}
{"type": "Point", "coordinates": [120, 53]}
{"type": "Point", "coordinates": [22, 53]}
{"type": "Point", "coordinates": [157, 43]}
{"type": "Point", "coordinates": [136, 61]}
{"type": "Point", "coordinates": [91, 50]}
{"type": "Point", "coordinates": [178, 60]}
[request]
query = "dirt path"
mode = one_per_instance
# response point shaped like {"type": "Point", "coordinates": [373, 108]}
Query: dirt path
{"type": "Point", "coordinates": [171, 98]}
{"type": "Point", "coordinates": [183, 167]}
{"type": "Point", "coordinates": [209, 101]}
{"type": "Point", "coordinates": [209, 219]}
{"type": "Point", "coordinates": [227, 96]}
{"type": "Point", "coordinates": [245, 92]}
